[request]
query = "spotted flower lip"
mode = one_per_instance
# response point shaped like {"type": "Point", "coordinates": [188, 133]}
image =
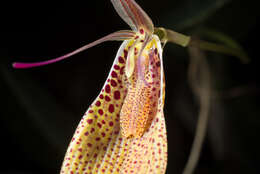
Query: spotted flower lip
{"type": "Point", "coordinates": [123, 130]}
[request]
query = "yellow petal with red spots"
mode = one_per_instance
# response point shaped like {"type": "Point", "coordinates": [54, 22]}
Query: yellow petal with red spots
{"type": "Point", "coordinates": [98, 145]}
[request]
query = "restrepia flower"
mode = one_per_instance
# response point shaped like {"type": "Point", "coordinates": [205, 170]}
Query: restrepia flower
{"type": "Point", "coordinates": [123, 130]}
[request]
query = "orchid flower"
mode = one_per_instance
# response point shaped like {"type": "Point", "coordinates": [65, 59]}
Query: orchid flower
{"type": "Point", "coordinates": [123, 130]}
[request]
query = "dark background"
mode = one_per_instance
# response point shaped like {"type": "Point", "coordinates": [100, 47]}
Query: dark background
{"type": "Point", "coordinates": [41, 107]}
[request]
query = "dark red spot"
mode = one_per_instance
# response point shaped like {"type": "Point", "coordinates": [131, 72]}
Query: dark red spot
{"type": "Point", "coordinates": [80, 149]}
{"type": "Point", "coordinates": [125, 53]}
{"type": "Point", "coordinates": [107, 98]}
{"type": "Point", "coordinates": [92, 130]}
{"type": "Point", "coordinates": [98, 138]}
{"type": "Point", "coordinates": [100, 111]}
{"type": "Point", "coordinates": [155, 50]}
{"type": "Point", "coordinates": [89, 145]}
{"type": "Point", "coordinates": [111, 108]}
{"type": "Point", "coordinates": [89, 121]}
{"type": "Point", "coordinates": [113, 83]}
{"type": "Point", "coordinates": [116, 132]}
{"type": "Point", "coordinates": [103, 134]}
{"type": "Point", "coordinates": [107, 88]}
{"type": "Point", "coordinates": [114, 74]}
{"type": "Point", "coordinates": [80, 156]}
{"type": "Point", "coordinates": [111, 123]}
{"type": "Point", "coordinates": [158, 64]}
{"type": "Point", "coordinates": [142, 31]}
{"type": "Point", "coordinates": [95, 155]}
{"type": "Point", "coordinates": [117, 67]}
{"type": "Point", "coordinates": [103, 122]}
{"type": "Point", "coordinates": [98, 103]}
{"type": "Point", "coordinates": [101, 96]}
{"type": "Point", "coordinates": [90, 111]}
{"type": "Point", "coordinates": [117, 95]}
{"type": "Point", "coordinates": [99, 125]}
{"type": "Point", "coordinates": [122, 70]}
{"type": "Point", "coordinates": [121, 60]}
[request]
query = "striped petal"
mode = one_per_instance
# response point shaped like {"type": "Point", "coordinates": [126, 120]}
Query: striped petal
{"type": "Point", "coordinates": [98, 145]}
{"type": "Point", "coordinates": [119, 35]}
{"type": "Point", "coordinates": [133, 15]}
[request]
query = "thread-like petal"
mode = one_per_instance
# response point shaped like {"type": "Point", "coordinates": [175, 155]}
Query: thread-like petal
{"type": "Point", "coordinates": [119, 35]}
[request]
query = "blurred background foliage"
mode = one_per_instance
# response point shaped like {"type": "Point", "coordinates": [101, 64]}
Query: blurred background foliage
{"type": "Point", "coordinates": [41, 107]}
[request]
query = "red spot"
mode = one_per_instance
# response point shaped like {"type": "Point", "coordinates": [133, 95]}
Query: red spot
{"type": "Point", "coordinates": [121, 60]}
{"type": "Point", "coordinates": [101, 96]}
{"type": "Point", "coordinates": [99, 125]}
{"type": "Point", "coordinates": [98, 138]}
{"type": "Point", "coordinates": [95, 155]}
{"type": "Point", "coordinates": [155, 50]}
{"type": "Point", "coordinates": [103, 122]}
{"type": "Point", "coordinates": [103, 134]}
{"type": "Point", "coordinates": [98, 103]}
{"type": "Point", "coordinates": [111, 108]}
{"type": "Point", "coordinates": [90, 111]}
{"type": "Point", "coordinates": [117, 95]}
{"type": "Point", "coordinates": [125, 53]}
{"type": "Point", "coordinates": [89, 121]}
{"type": "Point", "coordinates": [122, 70]}
{"type": "Point", "coordinates": [92, 130]}
{"type": "Point", "coordinates": [142, 31]}
{"type": "Point", "coordinates": [111, 123]}
{"type": "Point", "coordinates": [107, 88]}
{"type": "Point", "coordinates": [116, 132]}
{"type": "Point", "coordinates": [117, 67]}
{"type": "Point", "coordinates": [158, 64]}
{"type": "Point", "coordinates": [100, 111]}
{"type": "Point", "coordinates": [136, 37]}
{"type": "Point", "coordinates": [80, 149]}
{"type": "Point", "coordinates": [80, 156]}
{"type": "Point", "coordinates": [113, 83]}
{"type": "Point", "coordinates": [114, 74]}
{"type": "Point", "coordinates": [107, 98]}
{"type": "Point", "coordinates": [89, 145]}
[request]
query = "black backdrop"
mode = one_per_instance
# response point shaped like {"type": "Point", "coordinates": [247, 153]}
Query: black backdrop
{"type": "Point", "coordinates": [41, 107]}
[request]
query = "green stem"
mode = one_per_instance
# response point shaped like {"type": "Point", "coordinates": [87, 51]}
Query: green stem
{"type": "Point", "coordinates": [208, 46]}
